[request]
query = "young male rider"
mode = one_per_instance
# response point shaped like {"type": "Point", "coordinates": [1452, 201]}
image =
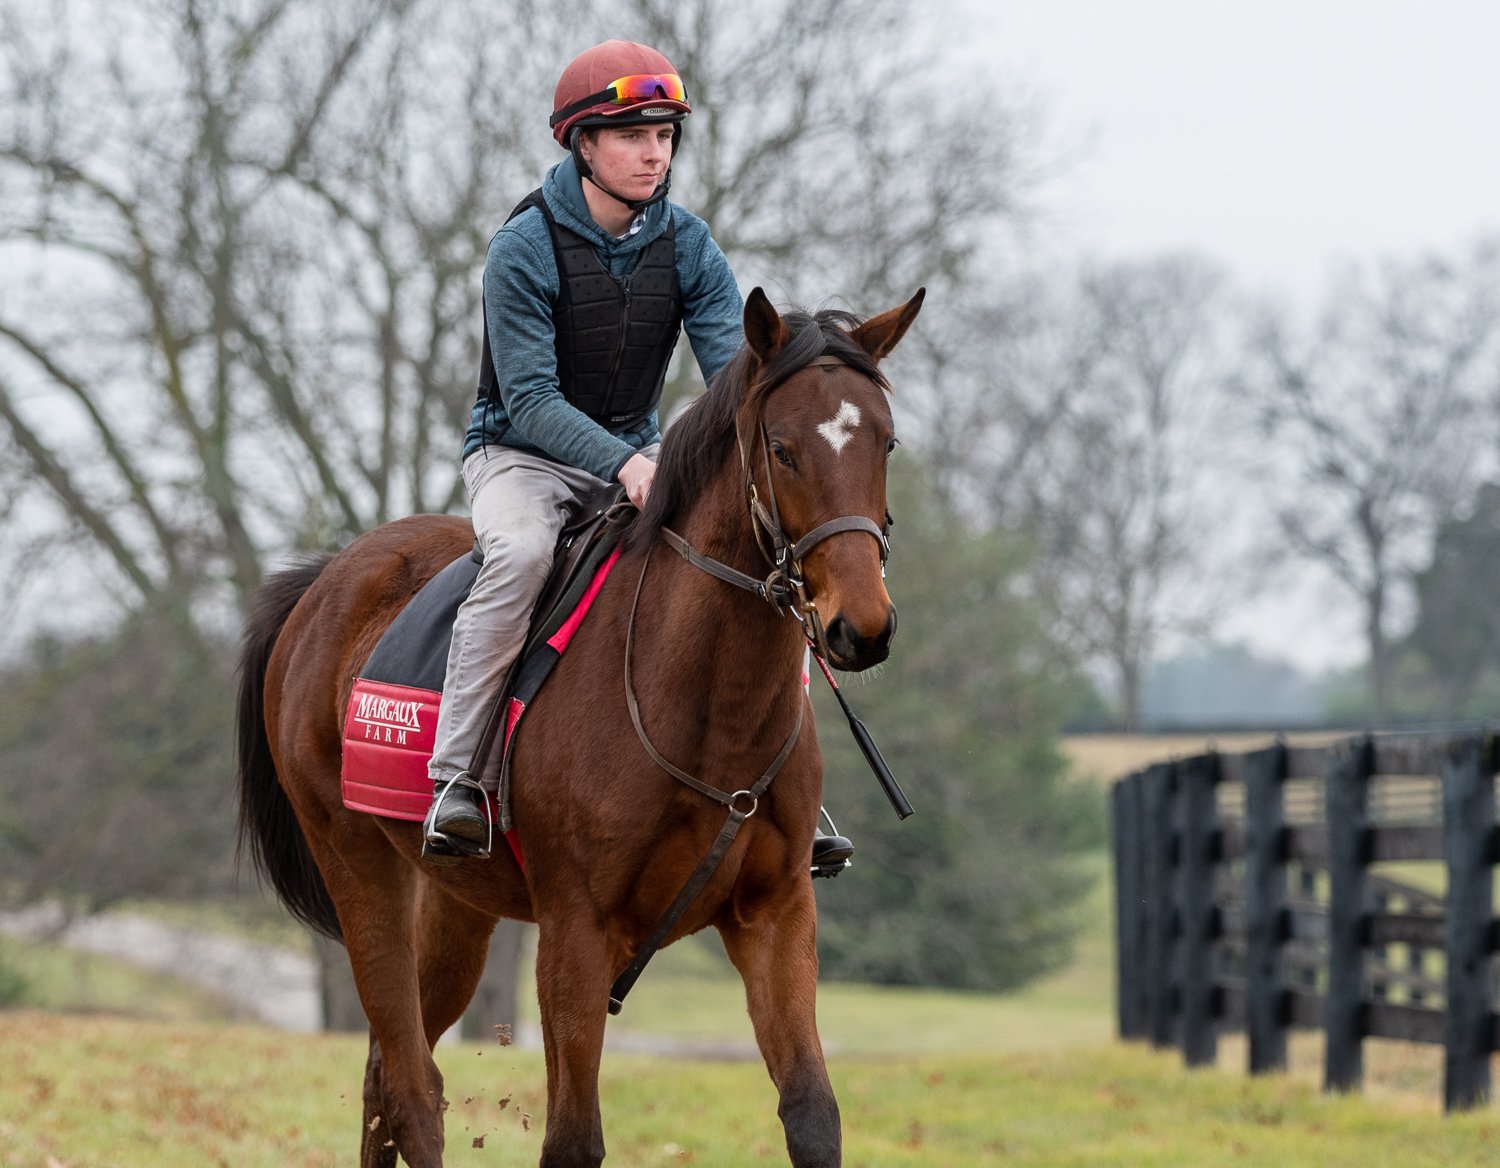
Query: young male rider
{"type": "Point", "coordinates": [585, 289]}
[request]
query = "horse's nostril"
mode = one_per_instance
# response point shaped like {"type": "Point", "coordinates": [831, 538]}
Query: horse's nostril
{"type": "Point", "coordinates": [856, 651]}
{"type": "Point", "coordinates": [840, 637]}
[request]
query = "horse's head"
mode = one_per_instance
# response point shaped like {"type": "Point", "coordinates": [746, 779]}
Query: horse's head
{"type": "Point", "coordinates": [815, 438]}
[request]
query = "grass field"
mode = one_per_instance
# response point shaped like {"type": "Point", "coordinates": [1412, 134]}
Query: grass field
{"type": "Point", "coordinates": [119, 1093]}
{"type": "Point", "coordinates": [76, 982]}
{"type": "Point", "coordinates": [924, 1077]}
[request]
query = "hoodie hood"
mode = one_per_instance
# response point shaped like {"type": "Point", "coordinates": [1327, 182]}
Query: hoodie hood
{"type": "Point", "coordinates": [563, 190]}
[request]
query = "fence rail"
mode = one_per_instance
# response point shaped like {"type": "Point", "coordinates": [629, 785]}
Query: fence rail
{"type": "Point", "coordinates": [1245, 900]}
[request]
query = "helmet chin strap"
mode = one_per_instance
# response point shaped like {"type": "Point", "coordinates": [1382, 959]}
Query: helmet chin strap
{"type": "Point", "coordinates": [662, 188]}
{"type": "Point", "coordinates": [585, 171]}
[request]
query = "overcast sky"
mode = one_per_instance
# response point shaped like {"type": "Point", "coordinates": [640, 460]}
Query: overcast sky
{"type": "Point", "coordinates": [1277, 136]}
{"type": "Point", "coordinates": [1281, 139]}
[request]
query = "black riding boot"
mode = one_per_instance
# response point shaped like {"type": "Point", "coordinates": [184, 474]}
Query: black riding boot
{"type": "Point", "coordinates": [458, 824]}
{"type": "Point", "coordinates": [831, 854]}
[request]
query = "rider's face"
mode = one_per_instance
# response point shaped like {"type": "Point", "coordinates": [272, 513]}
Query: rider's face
{"type": "Point", "coordinates": [630, 160]}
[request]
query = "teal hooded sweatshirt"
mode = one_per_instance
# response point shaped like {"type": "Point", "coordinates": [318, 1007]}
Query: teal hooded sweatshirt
{"type": "Point", "coordinates": [521, 285]}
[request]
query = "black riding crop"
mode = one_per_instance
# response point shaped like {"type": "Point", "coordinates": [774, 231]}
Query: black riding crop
{"type": "Point", "coordinates": [867, 747]}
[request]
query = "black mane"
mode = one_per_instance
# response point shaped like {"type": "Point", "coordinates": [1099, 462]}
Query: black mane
{"type": "Point", "coordinates": [699, 443]}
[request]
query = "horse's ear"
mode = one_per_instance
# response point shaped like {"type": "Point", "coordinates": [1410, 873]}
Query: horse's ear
{"type": "Point", "coordinates": [765, 332]}
{"type": "Point", "coordinates": [878, 335]}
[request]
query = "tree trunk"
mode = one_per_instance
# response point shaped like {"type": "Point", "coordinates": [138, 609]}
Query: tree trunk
{"type": "Point", "coordinates": [1130, 692]}
{"type": "Point", "coordinates": [1379, 653]}
{"type": "Point", "coordinates": [495, 1001]}
{"type": "Point", "coordinates": [341, 1009]}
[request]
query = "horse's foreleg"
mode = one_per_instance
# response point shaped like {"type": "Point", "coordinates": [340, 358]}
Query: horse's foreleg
{"type": "Point", "coordinates": [404, 1088]}
{"type": "Point", "coordinates": [776, 954]}
{"type": "Point", "coordinates": [376, 1148]}
{"type": "Point", "coordinates": [573, 972]}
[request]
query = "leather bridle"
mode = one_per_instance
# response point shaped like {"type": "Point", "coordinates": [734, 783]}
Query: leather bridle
{"type": "Point", "coordinates": [785, 588]}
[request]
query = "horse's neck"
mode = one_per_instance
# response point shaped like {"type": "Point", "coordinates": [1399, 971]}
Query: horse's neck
{"type": "Point", "coordinates": [731, 658]}
{"type": "Point", "coordinates": [718, 525]}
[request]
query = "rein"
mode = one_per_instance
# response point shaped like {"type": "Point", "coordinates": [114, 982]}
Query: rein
{"type": "Point", "coordinates": [785, 589]}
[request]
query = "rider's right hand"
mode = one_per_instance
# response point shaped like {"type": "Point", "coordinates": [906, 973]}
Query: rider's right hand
{"type": "Point", "coordinates": [636, 476]}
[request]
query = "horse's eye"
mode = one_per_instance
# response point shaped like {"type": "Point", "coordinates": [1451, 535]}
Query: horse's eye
{"type": "Point", "coordinates": [892, 444]}
{"type": "Point", "coordinates": [780, 453]}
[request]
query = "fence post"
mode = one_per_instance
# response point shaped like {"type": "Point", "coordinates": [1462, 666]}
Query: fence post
{"type": "Point", "coordinates": [1196, 778]}
{"type": "Point", "coordinates": [1468, 828]}
{"type": "Point", "coordinates": [1130, 985]}
{"type": "Point", "coordinates": [1265, 906]}
{"type": "Point", "coordinates": [1347, 801]}
{"type": "Point", "coordinates": [1159, 790]}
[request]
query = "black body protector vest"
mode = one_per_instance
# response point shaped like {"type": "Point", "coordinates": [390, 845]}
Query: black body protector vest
{"type": "Point", "coordinates": [614, 337]}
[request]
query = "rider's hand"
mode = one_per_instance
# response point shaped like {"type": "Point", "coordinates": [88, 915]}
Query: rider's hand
{"type": "Point", "coordinates": [636, 476]}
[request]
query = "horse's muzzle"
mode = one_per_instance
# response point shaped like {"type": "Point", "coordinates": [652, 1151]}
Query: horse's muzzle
{"type": "Point", "coordinates": [851, 651]}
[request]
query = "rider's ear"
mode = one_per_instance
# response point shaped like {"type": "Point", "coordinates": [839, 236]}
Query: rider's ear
{"type": "Point", "coordinates": [765, 332]}
{"type": "Point", "coordinates": [878, 335]}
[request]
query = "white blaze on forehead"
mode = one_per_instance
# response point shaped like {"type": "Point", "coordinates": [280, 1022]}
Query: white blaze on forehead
{"type": "Point", "coordinates": [840, 428]}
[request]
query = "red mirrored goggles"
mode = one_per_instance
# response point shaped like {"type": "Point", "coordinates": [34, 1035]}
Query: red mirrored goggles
{"type": "Point", "coordinates": [626, 91]}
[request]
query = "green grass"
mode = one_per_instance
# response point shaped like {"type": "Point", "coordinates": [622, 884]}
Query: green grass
{"type": "Point", "coordinates": [692, 994]}
{"type": "Point", "coordinates": [924, 1078]}
{"type": "Point", "coordinates": [689, 995]}
{"type": "Point", "coordinates": [118, 1093]}
{"type": "Point", "coordinates": [76, 982]}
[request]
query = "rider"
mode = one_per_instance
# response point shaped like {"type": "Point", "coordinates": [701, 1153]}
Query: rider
{"type": "Point", "coordinates": [571, 375]}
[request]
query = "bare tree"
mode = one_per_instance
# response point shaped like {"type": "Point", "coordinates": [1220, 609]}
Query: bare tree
{"type": "Point", "coordinates": [1000, 372]}
{"type": "Point", "coordinates": [243, 240]}
{"type": "Point", "coordinates": [1083, 414]}
{"type": "Point", "coordinates": [837, 153]}
{"type": "Point", "coordinates": [1132, 563]}
{"type": "Point", "coordinates": [1385, 415]}
{"type": "Point", "coordinates": [246, 239]}
{"type": "Point", "coordinates": [244, 244]}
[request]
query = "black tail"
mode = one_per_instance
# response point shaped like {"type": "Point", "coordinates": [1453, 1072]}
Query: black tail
{"type": "Point", "coordinates": [267, 823]}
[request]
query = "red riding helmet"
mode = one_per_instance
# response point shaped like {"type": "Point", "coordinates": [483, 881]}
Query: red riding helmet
{"type": "Point", "coordinates": [618, 83]}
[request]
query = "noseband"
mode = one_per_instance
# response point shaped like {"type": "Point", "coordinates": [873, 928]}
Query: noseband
{"type": "Point", "coordinates": [785, 587]}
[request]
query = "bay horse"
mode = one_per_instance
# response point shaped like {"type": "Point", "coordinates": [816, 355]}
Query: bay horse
{"type": "Point", "coordinates": [792, 438]}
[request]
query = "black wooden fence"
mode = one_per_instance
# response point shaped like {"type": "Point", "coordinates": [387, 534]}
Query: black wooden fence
{"type": "Point", "coordinates": [1245, 900]}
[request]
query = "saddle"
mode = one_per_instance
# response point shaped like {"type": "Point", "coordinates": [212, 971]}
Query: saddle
{"type": "Point", "coordinates": [391, 719]}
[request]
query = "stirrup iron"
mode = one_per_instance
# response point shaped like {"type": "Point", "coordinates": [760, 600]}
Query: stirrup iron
{"type": "Point", "coordinates": [440, 847]}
